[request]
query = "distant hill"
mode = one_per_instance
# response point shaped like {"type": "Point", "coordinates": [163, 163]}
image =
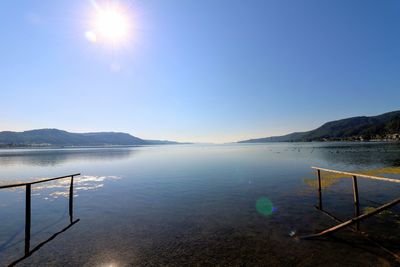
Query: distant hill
{"type": "Point", "coordinates": [382, 127]}
{"type": "Point", "coordinates": [55, 137]}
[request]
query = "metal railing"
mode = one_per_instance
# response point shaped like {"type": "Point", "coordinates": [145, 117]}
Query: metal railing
{"type": "Point", "coordinates": [28, 196]}
{"type": "Point", "coordinates": [357, 216]}
{"type": "Point", "coordinates": [355, 189]}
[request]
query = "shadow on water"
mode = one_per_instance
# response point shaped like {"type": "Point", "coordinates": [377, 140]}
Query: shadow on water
{"type": "Point", "coordinates": [384, 218]}
{"type": "Point", "coordinates": [7, 244]}
{"type": "Point", "coordinates": [37, 247]}
{"type": "Point", "coordinates": [28, 216]}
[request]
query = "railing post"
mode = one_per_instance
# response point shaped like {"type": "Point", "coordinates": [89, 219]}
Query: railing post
{"type": "Point", "coordinates": [27, 218]}
{"type": "Point", "coordinates": [71, 199]}
{"type": "Point", "coordinates": [319, 190]}
{"type": "Point", "coordinates": [356, 201]}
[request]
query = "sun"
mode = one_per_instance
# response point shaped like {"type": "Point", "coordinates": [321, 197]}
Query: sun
{"type": "Point", "coordinates": [110, 23]}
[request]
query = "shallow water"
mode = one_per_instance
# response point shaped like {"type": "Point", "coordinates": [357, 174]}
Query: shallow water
{"type": "Point", "coordinates": [180, 205]}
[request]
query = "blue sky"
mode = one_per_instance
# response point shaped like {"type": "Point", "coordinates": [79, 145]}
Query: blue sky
{"type": "Point", "coordinates": [207, 71]}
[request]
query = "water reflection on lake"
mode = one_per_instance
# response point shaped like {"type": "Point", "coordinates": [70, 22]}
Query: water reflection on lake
{"type": "Point", "coordinates": [194, 204]}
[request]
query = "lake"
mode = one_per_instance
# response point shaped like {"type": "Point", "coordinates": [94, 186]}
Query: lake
{"type": "Point", "coordinates": [205, 205]}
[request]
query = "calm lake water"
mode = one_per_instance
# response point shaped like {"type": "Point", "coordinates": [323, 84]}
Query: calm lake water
{"type": "Point", "coordinates": [202, 205]}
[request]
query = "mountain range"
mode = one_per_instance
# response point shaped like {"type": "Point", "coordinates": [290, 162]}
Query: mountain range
{"type": "Point", "coordinates": [381, 127]}
{"type": "Point", "coordinates": [55, 137]}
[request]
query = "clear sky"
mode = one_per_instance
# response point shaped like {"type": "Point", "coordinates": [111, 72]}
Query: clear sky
{"type": "Point", "coordinates": [191, 70]}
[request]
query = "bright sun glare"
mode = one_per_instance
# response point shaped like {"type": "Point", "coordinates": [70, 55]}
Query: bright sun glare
{"type": "Point", "coordinates": [110, 23]}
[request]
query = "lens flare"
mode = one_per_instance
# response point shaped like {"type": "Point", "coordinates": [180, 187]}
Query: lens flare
{"type": "Point", "coordinates": [91, 36]}
{"type": "Point", "coordinates": [264, 206]}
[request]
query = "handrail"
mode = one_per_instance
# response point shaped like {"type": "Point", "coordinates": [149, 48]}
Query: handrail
{"type": "Point", "coordinates": [40, 181]}
{"type": "Point", "coordinates": [357, 216]}
{"type": "Point", "coordinates": [359, 175]}
{"type": "Point", "coordinates": [28, 196]}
